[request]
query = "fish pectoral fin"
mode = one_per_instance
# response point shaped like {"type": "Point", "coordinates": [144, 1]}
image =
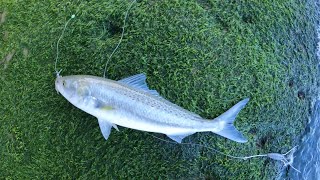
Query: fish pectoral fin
{"type": "Point", "coordinates": [178, 138]}
{"type": "Point", "coordinates": [106, 108]}
{"type": "Point", "coordinates": [102, 105]}
{"type": "Point", "coordinates": [105, 128]}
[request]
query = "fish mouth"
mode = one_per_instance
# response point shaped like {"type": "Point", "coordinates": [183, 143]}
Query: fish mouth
{"type": "Point", "coordinates": [57, 84]}
{"type": "Point", "coordinates": [56, 87]}
{"type": "Point", "coordinates": [57, 90]}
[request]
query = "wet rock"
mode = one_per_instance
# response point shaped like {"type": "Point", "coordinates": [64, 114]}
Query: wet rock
{"type": "Point", "coordinates": [301, 95]}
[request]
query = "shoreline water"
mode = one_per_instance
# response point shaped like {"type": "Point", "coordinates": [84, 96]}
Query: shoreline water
{"type": "Point", "coordinates": [307, 155]}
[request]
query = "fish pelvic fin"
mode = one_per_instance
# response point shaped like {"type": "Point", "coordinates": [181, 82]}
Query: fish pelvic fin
{"type": "Point", "coordinates": [105, 127]}
{"type": "Point", "coordinates": [226, 120]}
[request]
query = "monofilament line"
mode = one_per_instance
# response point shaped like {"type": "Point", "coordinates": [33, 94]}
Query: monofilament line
{"type": "Point", "coordinates": [57, 47]}
{"type": "Point", "coordinates": [200, 145]}
{"type": "Point", "coordinates": [275, 156]}
{"type": "Point", "coordinates": [124, 24]}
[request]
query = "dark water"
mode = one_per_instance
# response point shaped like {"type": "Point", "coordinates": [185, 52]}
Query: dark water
{"type": "Point", "coordinates": [307, 155]}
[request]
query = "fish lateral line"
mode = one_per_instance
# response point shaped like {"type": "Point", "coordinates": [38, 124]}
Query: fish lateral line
{"type": "Point", "coordinates": [130, 103]}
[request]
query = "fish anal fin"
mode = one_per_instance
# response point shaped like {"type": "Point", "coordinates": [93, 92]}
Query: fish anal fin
{"type": "Point", "coordinates": [178, 138]}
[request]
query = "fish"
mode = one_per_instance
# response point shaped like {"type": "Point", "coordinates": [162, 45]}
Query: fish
{"type": "Point", "coordinates": [130, 103]}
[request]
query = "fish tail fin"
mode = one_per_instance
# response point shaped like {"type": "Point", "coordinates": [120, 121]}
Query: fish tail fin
{"type": "Point", "coordinates": [226, 121]}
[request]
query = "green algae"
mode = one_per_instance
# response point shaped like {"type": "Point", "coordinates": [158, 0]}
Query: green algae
{"type": "Point", "coordinates": [203, 55]}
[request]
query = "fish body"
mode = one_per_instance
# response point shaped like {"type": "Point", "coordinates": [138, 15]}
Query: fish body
{"type": "Point", "coordinates": [130, 103]}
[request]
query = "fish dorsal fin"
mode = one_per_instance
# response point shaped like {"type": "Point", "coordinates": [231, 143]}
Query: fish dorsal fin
{"type": "Point", "coordinates": [139, 81]}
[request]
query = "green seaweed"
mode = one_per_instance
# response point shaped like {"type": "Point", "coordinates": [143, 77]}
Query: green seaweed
{"type": "Point", "coordinates": [203, 55]}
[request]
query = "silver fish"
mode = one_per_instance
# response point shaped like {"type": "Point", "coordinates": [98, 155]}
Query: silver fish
{"type": "Point", "coordinates": [130, 103]}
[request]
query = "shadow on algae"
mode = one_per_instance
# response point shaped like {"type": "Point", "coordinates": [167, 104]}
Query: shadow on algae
{"type": "Point", "coordinates": [203, 55]}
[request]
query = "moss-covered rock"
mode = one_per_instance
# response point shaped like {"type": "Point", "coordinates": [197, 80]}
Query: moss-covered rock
{"type": "Point", "coordinates": [203, 55]}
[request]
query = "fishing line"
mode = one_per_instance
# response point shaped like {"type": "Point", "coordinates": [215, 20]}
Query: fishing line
{"type": "Point", "coordinates": [57, 47]}
{"type": "Point", "coordinates": [275, 156]}
{"type": "Point", "coordinates": [122, 34]}
{"type": "Point", "coordinates": [109, 58]}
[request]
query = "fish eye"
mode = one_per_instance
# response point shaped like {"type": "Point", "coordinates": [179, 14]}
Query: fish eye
{"type": "Point", "coordinates": [64, 83]}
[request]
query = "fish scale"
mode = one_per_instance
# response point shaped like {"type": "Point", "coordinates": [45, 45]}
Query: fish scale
{"type": "Point", "coordinates": [130, 103]}
{"type": "Point", "coordinates": [135, 96]}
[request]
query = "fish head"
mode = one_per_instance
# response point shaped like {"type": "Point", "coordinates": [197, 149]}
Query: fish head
{"type": "Point", "coordinates": [65, 86]}
{"type": "Point", "coordinates": [71, 87]}
{"type": "Point", "coordinates": [78, 91]}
